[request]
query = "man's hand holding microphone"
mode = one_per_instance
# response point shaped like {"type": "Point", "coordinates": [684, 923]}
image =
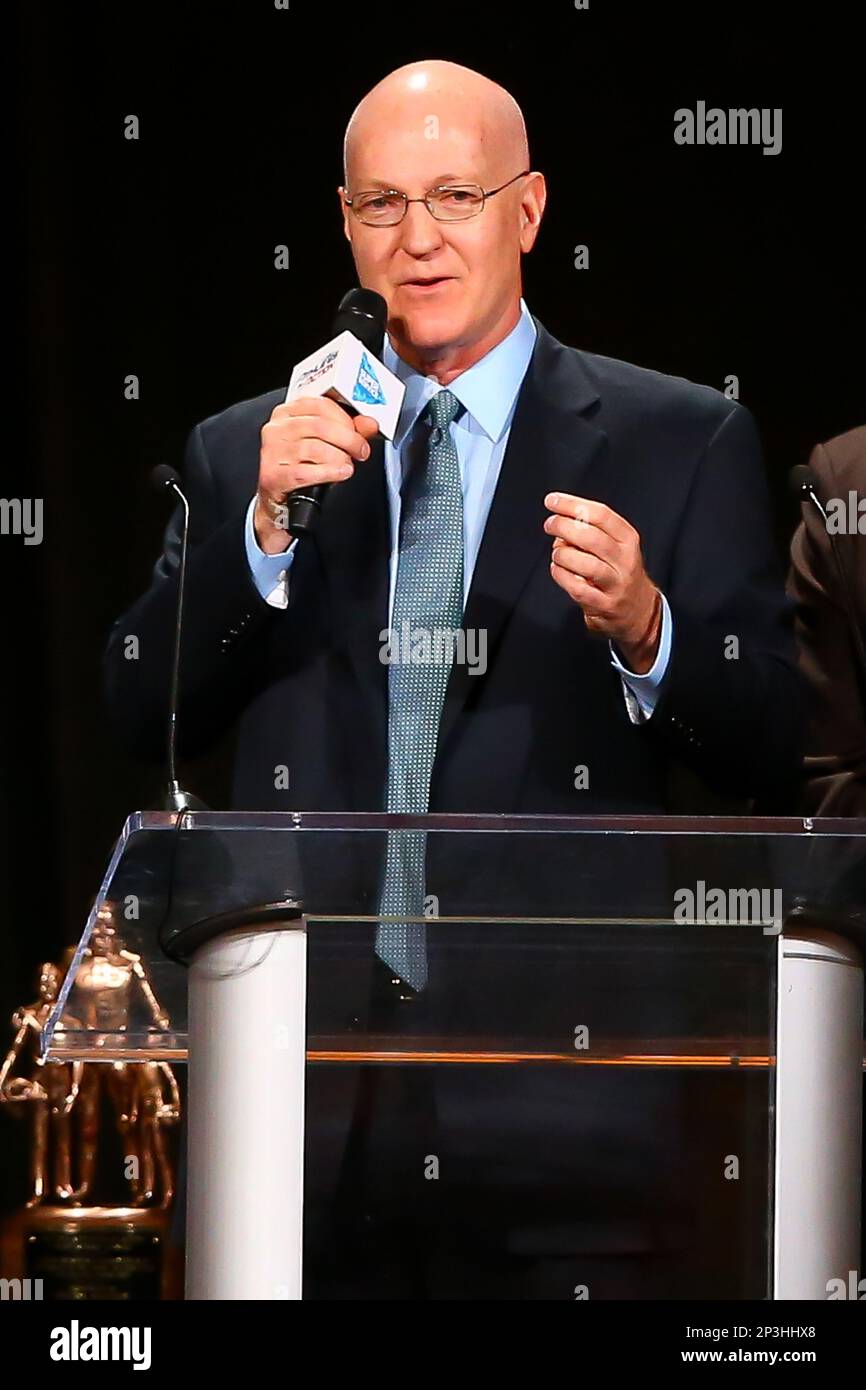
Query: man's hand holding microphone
{"type": "Point", "coordinates": [338, 399]}
{"type": "Point", "coordinates": [306, 442]}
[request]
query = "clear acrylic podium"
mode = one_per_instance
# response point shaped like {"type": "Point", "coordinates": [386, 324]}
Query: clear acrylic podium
{"type": "Point", "coordinates": [641, 1043]}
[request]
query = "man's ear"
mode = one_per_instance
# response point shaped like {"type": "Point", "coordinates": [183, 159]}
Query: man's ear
{"type": "Point", "coordinates": [532, 205]}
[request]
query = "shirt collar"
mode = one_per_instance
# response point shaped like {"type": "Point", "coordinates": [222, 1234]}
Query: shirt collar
{"type": "Point", "coordinates": [487, 390]}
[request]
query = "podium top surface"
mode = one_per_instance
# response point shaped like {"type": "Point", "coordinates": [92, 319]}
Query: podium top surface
{"type": "Point", "coordinates": [357, 821]}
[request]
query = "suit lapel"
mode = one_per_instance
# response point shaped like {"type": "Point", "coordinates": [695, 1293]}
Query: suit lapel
{"type": "Point", "coordinates": [549, 448]}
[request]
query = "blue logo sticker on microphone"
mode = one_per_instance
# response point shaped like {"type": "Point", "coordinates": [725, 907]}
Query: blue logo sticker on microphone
{"type": "Point", "coordinates": [367, 388]}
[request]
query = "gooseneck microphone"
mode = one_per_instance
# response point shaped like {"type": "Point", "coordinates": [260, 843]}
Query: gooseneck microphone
{"type": "Point", "coordinates": [363, 313]}
{"type": "Point", "coordinates": [165, 479]}
{"type": "Point", "coordinates": [804, 484]}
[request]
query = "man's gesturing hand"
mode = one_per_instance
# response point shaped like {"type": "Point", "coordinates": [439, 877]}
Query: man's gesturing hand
{"type": "Point", "coordinates": [597, 560]}
{"type": "Point", "coordinates": [306, 441]}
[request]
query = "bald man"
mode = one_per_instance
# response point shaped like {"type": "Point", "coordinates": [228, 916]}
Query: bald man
{"type": "Point", "coordinates": [608, 554]}
{"type": "Point", "coordinates": [598, 535]}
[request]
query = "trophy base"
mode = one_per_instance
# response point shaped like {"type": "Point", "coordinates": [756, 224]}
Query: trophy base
{"type": "Point", "coordinates": [89, 1253]}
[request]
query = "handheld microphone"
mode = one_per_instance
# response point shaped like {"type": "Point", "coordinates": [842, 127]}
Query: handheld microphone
{"type": "Point", "coordinates": [165, 479]}
{"type": "Point", "coordinates": [803, 483]}
{"type": "Point", "coordinates": [348, 370]}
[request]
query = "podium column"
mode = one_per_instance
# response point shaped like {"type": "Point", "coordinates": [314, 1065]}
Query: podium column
{"type": "Point", "coordinates": [247, 1056]}
{"type": "Point", "coordinates": [819, 1080]}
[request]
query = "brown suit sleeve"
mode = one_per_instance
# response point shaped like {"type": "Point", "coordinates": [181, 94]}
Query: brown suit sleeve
{"type": "Point", "coordinates": [835, 762]}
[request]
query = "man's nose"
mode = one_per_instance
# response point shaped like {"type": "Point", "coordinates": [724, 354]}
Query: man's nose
{"type": "Point", "coordinates": [421, 232]}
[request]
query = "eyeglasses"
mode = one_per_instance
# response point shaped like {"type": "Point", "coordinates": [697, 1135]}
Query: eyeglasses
{"type": "Point", "coordinates": [386, 207]}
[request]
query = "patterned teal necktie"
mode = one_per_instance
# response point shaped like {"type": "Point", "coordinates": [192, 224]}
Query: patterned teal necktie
{"type": "Point", "coordinates": [428, 611]}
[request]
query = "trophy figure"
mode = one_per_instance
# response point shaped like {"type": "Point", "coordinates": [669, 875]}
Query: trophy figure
{"type": "Point", "coordinates": [157, 1103]}
{"type": "Point", "coordinates": [51, 1089]}
{"type": "Point", "coordinates": [144, 1095]}
{"type": "Point", "coordinates": [107, 979]}
{"type": "Point", "coordinates": [100, 1249]}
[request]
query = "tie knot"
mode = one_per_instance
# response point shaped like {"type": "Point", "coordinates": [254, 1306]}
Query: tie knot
{"type": "Point", "coordinates": [443, 408]}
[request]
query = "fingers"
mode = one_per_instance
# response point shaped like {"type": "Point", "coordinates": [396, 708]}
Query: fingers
{"type": "Point", "coordinates": [584, 564]}
{"type": "Point", "coordinates": [290, 432]}
{"type": "Point", "coordinates": [585, 510]}
{"type": "Point", "coordinates": [366, 426]}
{"type": "Point", "coordinates": [594, 544]}
{"type": "Point", "coordinates": [317, 461]}
{"type": "Point", "coordinates": [583, 536]}
{"type": "Point", "coordinates": [318, 409]}
{"type": "Point", "coordinates": [307, 475]}
{"type": "Point", "coordinates": [594, 601]}
{"type": "Point", "coordinates": [276, 481]}
{"type": "Point", "coordinates": [310, 441]}
{"type": "Point", "coordinates": [310, 405]}
{"type": "Point", "coordinates": [596, 560]}
{"type": "Point", "coordinates": [307, 442]}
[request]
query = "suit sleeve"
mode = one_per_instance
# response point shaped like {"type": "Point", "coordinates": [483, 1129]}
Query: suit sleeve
{"type": "Point", "coordinates": [225, 619]}
{"type": "Point", "coordinates": [731, 702]}
{"type": "Point", "coordinates": [836, 741]}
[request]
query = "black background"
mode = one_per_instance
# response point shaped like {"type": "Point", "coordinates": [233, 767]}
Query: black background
{"type": "Point", "coordinates": [156, 257]}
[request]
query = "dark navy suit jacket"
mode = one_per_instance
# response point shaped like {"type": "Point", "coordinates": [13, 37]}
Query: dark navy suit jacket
{"type": "Point", "coordinates": [308, 690]}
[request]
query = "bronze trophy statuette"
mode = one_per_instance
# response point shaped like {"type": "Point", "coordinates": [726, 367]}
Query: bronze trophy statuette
{"type": "Point", "coordinates": [95, 1220]}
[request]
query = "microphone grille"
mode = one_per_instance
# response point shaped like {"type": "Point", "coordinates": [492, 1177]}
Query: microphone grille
{"type": "Point", "coordinates": [364, 313]}
{"type": "Point", "coordinates": [801, 479]}
{"type": "Point", "coordinates": [163, 476]}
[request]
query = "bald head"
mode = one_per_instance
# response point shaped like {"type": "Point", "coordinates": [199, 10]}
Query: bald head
{"type": "Point", "coordinates": [448, 268]}
{"type": "Point", "coordinates": [442, 101]}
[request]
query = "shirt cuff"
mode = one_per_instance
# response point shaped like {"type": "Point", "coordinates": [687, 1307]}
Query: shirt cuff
{"type": "Point", "coordinates": [270, 572]}
{"type": "Point", "coordinates": [641, 692]}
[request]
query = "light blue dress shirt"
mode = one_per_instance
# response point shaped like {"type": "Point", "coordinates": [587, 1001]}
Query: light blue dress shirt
{"type": "Point", "coordinates": [488, 391]}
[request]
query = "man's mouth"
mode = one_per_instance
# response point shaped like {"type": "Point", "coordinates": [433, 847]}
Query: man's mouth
{"type": "Point", "coordinates": [431, 282]}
